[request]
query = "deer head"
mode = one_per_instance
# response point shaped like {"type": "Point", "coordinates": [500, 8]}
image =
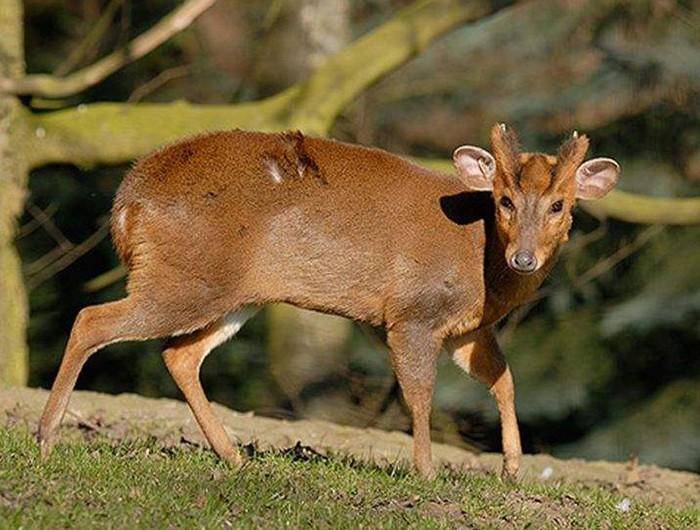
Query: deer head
{"type": "Point", "coordinates": [534, 193]}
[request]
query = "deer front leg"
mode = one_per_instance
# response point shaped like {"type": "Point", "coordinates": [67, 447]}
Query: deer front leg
{"type": "Point", "coordinates": [481, 357]}
{"type": "Point", "coordinates": [414, 353]}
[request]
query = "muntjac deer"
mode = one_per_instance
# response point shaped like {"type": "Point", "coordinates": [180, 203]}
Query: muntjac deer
{"type": "Point", "coordinates": [215, 227]}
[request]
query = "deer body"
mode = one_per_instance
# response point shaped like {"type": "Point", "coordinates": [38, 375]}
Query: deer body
{"type": "Point", "coordinates": [217, 226]}
{"type": "Point", "coordinates": [371, 243]}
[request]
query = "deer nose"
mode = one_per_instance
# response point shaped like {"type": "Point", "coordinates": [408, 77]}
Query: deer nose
{"type": "Point", "coordinates": [523, 261]}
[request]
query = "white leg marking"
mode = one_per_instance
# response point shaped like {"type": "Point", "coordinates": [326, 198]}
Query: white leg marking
{"type": "Point", "coordinates": [232, 323]}
{"type": "Point", "coordinates": [463, 361]}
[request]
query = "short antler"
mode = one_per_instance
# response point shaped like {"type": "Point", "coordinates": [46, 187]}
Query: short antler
{"type": "Point", "coordinates": [572, 153]}
{"type": "Point", "coordinates": [506, 150]}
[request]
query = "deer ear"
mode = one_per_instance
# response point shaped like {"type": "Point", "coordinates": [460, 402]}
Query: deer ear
{"type": "Point", "coordinates": [476, 167]}
{"type": "Point", "coordinates": [596, 177]}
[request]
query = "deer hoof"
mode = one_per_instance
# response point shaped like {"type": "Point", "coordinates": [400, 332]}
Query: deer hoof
{"type": "Point", "coordinates": [45, 446]}
{"type": "Point", "coordinates": [426, 471]}
{"type": "Point", "coordinates": [234, 458]}
{"type": "Point", "coordinates": [509, 472]}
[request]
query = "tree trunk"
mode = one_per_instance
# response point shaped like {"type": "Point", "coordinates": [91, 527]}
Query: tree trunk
{"type": "Point", "coordinates": [13, 180]}
{"type": "Point", "coordinates": [304, 347]}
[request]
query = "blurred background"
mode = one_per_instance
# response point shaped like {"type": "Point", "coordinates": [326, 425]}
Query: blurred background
{"type": "Point", "coordinates": [606, 359]}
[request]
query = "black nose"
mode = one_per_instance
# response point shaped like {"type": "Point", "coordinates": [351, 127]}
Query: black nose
{"type": "Point", "coordinates": [523, 261]}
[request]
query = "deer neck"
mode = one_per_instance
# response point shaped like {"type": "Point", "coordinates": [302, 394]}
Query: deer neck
{"type": "Point", "coordinates": [505, 288]}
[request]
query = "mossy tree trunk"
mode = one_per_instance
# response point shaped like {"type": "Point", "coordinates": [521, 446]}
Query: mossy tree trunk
{"type": "Point", "coordinates": [13, 176]}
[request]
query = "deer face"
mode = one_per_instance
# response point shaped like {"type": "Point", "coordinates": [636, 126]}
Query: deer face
{"type": "Point", "coordinates": [534, 193]}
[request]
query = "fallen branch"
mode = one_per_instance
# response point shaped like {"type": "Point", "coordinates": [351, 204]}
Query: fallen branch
{"type": "Point", "coordinates": [48, 86]}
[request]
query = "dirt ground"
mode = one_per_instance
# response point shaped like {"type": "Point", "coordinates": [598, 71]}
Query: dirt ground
{"type": "Point", "coordinates": [129, 416]}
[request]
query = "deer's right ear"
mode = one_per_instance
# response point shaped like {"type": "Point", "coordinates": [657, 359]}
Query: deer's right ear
{"type": "Point", "coordinates": [476, 167]}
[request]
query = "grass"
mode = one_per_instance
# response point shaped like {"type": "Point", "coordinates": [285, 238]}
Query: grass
{"type": "Point", "coordinates": [103, 484]}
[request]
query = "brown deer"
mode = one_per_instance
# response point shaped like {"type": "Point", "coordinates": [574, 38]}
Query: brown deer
{"type": "Point", "coordinates": [213, 228]}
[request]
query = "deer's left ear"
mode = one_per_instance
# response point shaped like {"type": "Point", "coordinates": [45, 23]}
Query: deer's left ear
{"type": "Point", "coordinates": [596, 177]}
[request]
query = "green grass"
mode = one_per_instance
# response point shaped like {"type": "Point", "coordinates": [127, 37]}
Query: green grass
{"type": "Point", "coordinates": [102, 484]}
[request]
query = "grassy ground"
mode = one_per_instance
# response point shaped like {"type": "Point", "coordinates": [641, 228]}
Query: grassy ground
{"type": "Point", "coordinates": [106, 484]}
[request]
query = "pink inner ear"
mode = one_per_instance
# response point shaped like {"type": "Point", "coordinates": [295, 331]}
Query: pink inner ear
{"type": "Point", "coordinates": [475, 167]}
{"type": "Point", "coordinates": [595, 178]}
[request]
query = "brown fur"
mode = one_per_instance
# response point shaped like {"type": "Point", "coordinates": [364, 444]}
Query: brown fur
{"type": "Point", "coordinates": [230, 220]}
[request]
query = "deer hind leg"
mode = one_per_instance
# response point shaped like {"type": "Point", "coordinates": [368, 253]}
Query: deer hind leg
{"type": "Point", "coordinates": [480, 356]}
{"type": "Point", "coordinates": [95, 327]}
{"type": "Point", "coordinates": [184, 357]}
{"type": "Point", "coordinates": [414, 355]}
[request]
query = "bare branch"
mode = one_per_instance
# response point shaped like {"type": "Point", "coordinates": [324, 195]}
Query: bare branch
{"type": "Point", "coordinates": [64, 245]}
{"type": "Point", "coordinates": [57, 87]}
{"type": "Point", "coordinates": [31, 226]}
{"type": "Point", "coordinates": [158, 81]}
{"type": "Point", "coordinates": [105, 279]}
{"type": "Point", "coordinates": [604, 265]}
{"type": "Point", "coordinates": [577, 243]}
{"type": "Point", "coordinates": [43, 261]}
{"type": "Point", "coordinates": [91, 40]}
{"type": "Point", "coordinates": [68, 258]}
{"type": "Point", "coordinates": [49, 226]}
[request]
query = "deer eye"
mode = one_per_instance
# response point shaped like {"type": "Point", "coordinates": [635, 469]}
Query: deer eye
{"type": "Point", "coordinates": [556, 207]}
{"type": "Point", "coordinates": [507, 203]}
